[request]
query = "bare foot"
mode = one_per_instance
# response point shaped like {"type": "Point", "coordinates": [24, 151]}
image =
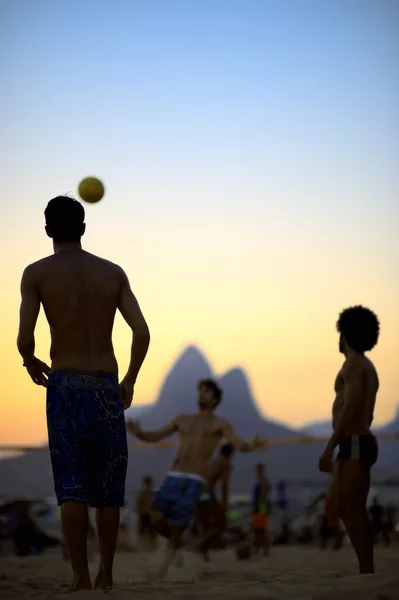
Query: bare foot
{"type": "Point", "coordinates": [80, 584]}
{"type": "Point", "coordinates": [103, 581]}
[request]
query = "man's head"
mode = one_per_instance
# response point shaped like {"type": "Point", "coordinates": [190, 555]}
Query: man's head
{"type": "Point", "coordinates": [147, 481]}
{"type": "Point", "coordinates": [209, 394]}
{"type": "Point", "coordinates": [226, 451]}
{"type": "Point", "coordinates": [260, 470]}
{"type": "Point", "coordinates": [359, 329]}
{"type": "Point", "coordinates": [65, 220]}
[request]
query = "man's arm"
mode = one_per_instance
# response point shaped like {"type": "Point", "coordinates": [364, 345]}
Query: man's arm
{"type": "Point", "coordinates": [239, 444]}
{"type": "Point", "coordinates": [131, 312]}
{"type": "Point", "coordinates": [29, 311]}
{"type": "Point", "coordinates": [152, 436]}
{"type": "Point", "coordinates": [354, 379]}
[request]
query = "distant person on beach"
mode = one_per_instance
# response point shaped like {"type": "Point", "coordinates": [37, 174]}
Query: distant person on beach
{"type": "Point", "coordinates": [199, 434]}
{"type": "Point", "coordinates": [356, 388]}
{"type": "Point", "coordinates": [378, 521]}
{"type": "Point", "coordinates": [80, 294]}
{"type": "Point", "coordinates": [144, 499]}
{"type": "Point", "coordinates": [211, 513]}
{"type": "Point", "coordinates": [261, 510]}
{"type": "Point", "coordinates": [390, 522]}
{"type": "Point", "coordinates": [330, 525]}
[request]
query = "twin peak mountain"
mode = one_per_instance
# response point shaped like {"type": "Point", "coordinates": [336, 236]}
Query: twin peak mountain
{"type": "Point", "coordinates": [178, 395]}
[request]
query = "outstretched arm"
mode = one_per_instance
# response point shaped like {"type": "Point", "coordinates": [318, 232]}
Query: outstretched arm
{"type": "Point", "coordinates": [29, 311]}
{"type": "Point", "coordinates": [239, 444]}
{"type": "Point", "coordinates": [134, 428]}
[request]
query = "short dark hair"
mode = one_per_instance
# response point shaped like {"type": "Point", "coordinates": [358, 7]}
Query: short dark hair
{"type": "Point", "coordinates": [360, 328]}
{"type": "Point", "coordinates": [64, 219]}
{"type": "Point", "coordinates": [147, 480]}
{"type": "Point", "coordinates": [260, 467]}
{"type": "Point", "coordinates": [212, 385]}
{"type": "Point", "coordinates": [226, 450]}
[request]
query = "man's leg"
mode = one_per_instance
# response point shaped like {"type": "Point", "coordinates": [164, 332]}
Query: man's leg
{"type": "Point", "coordinates": [109, 454]}
{"type": "Point", "coordinates": [267, 541]}
{"type": "Point", "coordinates": [69, 444]}
{"type": "Point", "coordinates": [160, 524]}
{"type": "Point", "coordinates": [175, 543]}
{"type": "Point", "coordinates": [353, 489]}
{"type": "Point", "coordinates": [75, 525]}
{"type": "Point", "coordinates": [107, 519]}
{"type": "Point", "coordinates": [212, 517]}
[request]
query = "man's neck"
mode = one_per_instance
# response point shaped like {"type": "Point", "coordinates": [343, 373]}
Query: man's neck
{"type": "Point", "coordinates": [66, 246]}
{"type": "Point", "coordinates": [350, 352]}
{"type": "Point", "coordinates": [205, 412]}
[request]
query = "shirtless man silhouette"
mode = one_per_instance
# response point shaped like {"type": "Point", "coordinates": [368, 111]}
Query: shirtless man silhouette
{"type": "Point", "coordinates": [211, 513]}
{"type": "Point", "coordinates": [356, 389]}
{"type": "Point", "coordinates": [199, 434]}
{"type": "Point", "coordinates": [80, 294]}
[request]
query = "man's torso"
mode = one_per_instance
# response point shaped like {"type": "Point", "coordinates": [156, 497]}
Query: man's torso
{"type": "Point", "coordinates": [361, 421]}
{"type": "Point", "coordinates": [80, 294]}
{"type": "Point", "coordinates": [198, 439]}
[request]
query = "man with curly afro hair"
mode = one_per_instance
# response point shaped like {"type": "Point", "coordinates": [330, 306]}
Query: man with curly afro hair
{"type": "Point", "coordinates": [356, 388]}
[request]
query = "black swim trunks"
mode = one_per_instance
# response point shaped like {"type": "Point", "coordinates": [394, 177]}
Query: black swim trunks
{"type": "Point", "coordinates": [359, 447]}
{"type": "Point", "coordinates": [87, 438]}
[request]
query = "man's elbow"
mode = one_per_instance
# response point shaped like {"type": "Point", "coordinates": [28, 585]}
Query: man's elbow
{"type": "Point", "coordinates": [142, 331]}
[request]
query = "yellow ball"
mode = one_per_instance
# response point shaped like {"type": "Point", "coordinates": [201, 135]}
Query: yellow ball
{"type": "Point", "coordinates": [91, 190]}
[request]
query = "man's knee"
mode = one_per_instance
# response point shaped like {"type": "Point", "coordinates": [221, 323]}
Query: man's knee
{"type": "Point", "coordinates": [160, 524]}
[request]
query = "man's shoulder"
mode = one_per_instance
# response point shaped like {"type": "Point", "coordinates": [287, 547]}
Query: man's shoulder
{"type": "Point", "coordinates": [221, 422]}
{"type": "Point", "coordinates": [108, 264]}
{"type": "Point", "coordinates": [37, 267]}
{"type": "Point", "coordinates": [356, 365]}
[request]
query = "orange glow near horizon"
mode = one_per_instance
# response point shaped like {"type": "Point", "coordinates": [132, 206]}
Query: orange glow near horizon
{"type": "Point", "coordinates": [248, 317]}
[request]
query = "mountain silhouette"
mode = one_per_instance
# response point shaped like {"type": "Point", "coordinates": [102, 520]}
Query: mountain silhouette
{"type": "Point", "coordinates": [179, 391]}
{"type": "Point", "coordinates": [30, 475]}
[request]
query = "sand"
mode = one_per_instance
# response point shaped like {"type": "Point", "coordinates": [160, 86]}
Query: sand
{"type": "Point", "coordinates": [293, 573]}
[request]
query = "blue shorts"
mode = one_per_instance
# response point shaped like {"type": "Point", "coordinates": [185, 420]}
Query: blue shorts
{"type": "Point", "coordinates": [177, 498]}
{"type": "Point", "coordinates": [87, 438]}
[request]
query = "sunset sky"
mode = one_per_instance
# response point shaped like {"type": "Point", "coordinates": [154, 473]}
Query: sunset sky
{"type": "Point", "coordinates": [249, 150]}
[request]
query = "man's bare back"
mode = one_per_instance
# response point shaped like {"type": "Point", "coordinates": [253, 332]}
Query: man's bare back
{"type": "Point", "coordinates": [80, 293]}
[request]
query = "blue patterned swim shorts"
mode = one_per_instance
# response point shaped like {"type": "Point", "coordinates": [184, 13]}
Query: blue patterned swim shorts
{"type": "Point", "coordinates": [177, 498]}
{"type": "Point", "coordinates": [87, 438]}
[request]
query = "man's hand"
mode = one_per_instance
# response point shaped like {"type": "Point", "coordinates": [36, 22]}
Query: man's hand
{"type": "Point", "coordinates": [39, 372]}
{"type": "Point", "coordinates": [133, 427]}
{"type": "Point", "coordinates": [326, 461]}
{"type": "Point", "coordinates": [256, 443]}
{"type": "Point", "coordinates": [126, 388]}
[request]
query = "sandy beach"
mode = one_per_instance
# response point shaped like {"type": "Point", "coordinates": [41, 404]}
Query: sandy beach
{"type": "Point", "coordinates": [293, 573]}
